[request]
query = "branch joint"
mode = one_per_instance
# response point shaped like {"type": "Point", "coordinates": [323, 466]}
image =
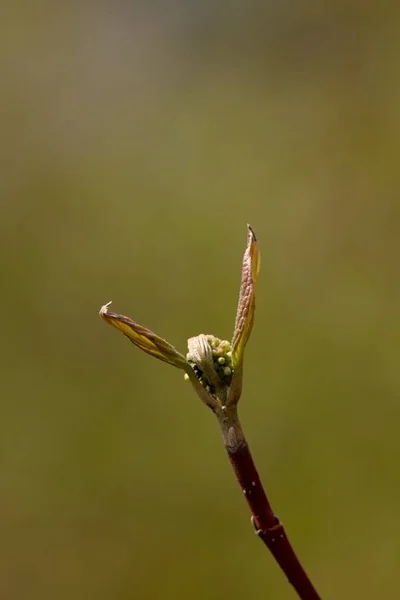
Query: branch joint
{"type": "Point", "coordinates": [270, 534]}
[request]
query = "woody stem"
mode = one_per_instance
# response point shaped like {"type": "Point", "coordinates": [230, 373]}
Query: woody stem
{"type": "Point", "coordinates": [267, 525]}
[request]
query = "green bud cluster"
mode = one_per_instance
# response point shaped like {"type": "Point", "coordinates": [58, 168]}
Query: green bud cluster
{"type": "Point", "coordinates": [222, 363]}
{"type": "Point", "coordinates": [222, 357]}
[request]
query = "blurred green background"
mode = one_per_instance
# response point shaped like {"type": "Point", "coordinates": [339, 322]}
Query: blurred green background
{"type": "Point", "coordinates": [138, 138]}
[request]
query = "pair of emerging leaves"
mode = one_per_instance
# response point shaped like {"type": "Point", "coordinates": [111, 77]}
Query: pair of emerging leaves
{"type": "Point", "coordinates": [214, 368]}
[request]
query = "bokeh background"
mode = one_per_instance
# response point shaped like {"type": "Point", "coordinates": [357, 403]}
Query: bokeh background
{"type": "Point", "coordinates": [137, 139]}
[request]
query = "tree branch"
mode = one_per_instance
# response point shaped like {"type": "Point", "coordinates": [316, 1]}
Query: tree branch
{"type": "Point", "coordinates": [268, 527]}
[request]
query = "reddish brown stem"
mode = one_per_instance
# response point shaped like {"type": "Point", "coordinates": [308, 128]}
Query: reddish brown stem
{"type": "Point", "coordinates": [267, 525]}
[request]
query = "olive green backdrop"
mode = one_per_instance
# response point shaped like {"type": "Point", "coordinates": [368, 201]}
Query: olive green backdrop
{"type": "Point", "coordinates": [137, 139]}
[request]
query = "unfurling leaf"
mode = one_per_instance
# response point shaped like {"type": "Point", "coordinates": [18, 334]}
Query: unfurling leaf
{"type": "Point", "coordinates": [144, 339]}
{"type": "Point", "coordinates": [245, 314]}
{"type": "Point", "coordinates": [246, 306]}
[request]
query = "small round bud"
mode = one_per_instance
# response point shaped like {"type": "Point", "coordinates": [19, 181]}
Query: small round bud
{"type": "Point", "coordinates": [227, 371]}
{"type": "Point", "coordinates": [221, 360]}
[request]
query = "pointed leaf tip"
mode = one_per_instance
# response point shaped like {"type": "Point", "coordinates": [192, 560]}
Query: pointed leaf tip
{"type": "Point", "coordinates": [251, 232]}
{"type": "Point", "coordinates": [104, 308]}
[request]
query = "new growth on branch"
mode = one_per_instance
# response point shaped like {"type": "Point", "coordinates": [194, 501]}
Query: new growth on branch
{"type": "Point", "coordinates": [215, 369]}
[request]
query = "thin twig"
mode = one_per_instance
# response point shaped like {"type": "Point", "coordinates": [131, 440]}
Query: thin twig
{"type": "Point", "coordinates": [267, 526]}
